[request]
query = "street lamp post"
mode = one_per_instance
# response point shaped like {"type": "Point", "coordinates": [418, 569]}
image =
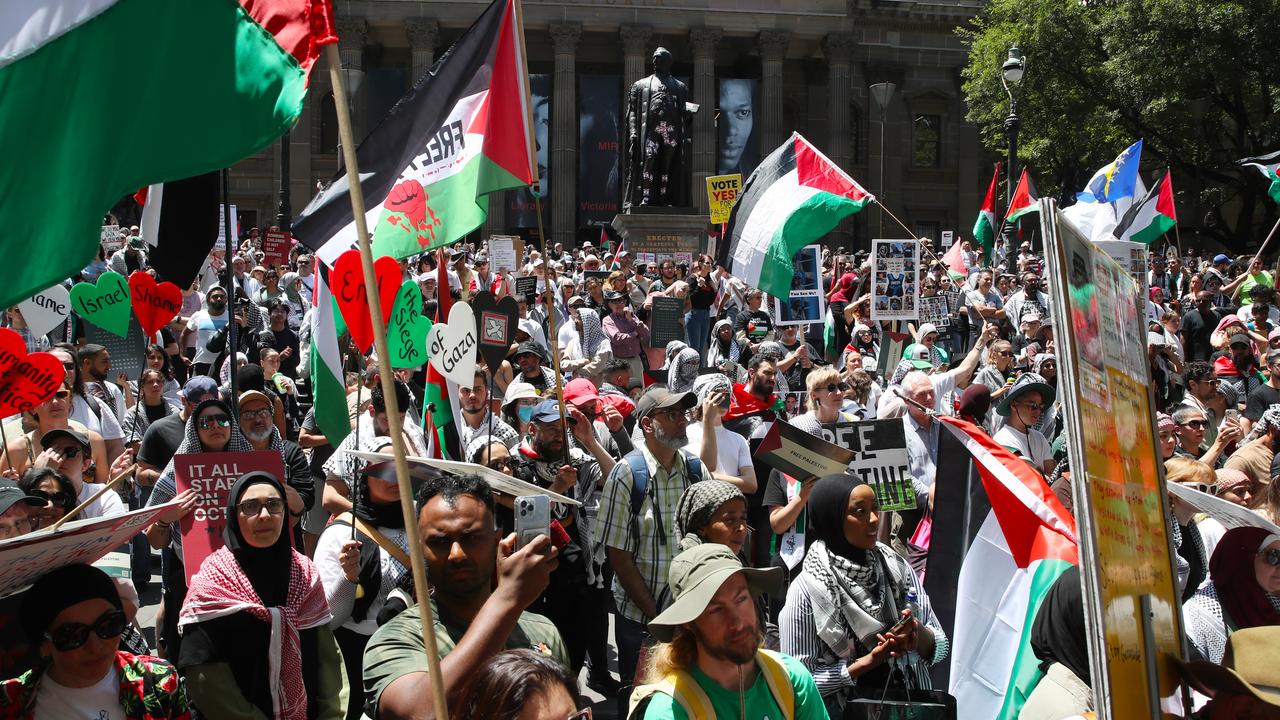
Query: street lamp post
{"type": "Point", "coordinates": [882, 93]}
{"type": "Point", "coordinates": [284, 213]}
{"type": "Point", "coordinates": [1010, 75]}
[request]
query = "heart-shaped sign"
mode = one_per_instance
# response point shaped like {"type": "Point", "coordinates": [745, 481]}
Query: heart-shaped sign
{"type": "Point", "coordinates": [495, 326]}
{"type": "Point", "coordinates": [25, 380]}
{"type": "Point", "coordinates": [46, 310]}
{"type": "Point", "coordinates": [347, 282]}
{"type": "Point", "coordinates": [452, 345]}
{"type": "Point", "coordinates": [407, 331]}
{"type": "Point", "coordinates": [154, 303]}
{"type": "Point", "coordinates": [105, 304]}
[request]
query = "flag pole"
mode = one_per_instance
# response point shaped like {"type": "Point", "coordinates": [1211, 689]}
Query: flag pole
{"type": "Point", "coordinates": [419, 569]}
{"type": "Point", "coordinates": [89, 500]}
{"type": "Point", "coordinates": [553, 341]}
{"type": "Point", "coordinates": [913, 235]}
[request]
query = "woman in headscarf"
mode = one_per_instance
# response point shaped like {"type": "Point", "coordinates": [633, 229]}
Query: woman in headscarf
{"type": "Point", "coordinates": [1243, 591]}
{"type": "Point", "coordinates": [76, 616]}
{"type": "Point", "coordinates": [723, 347]}
{"type": "Point", "coordinates": [682, 370]}
{"type": "Point", "coordinates": [359, 571]}
{"type": "Point", "coordinates": [255, 621]}
{"type": "Point", "coordinates": [974, 404]}
{"type": "Point", "coordinates": [587, 351]}
{"type": "Point", "coordinates": [712, 511]}
{"type": "Point", "coordinates": [1059, 641]}
{"type": "Point", "coordinates": [1046, 366]}
{"type": "Point", "coordinates": [292, 284]}
{"type": "Point", "coordinates": [857, 604]}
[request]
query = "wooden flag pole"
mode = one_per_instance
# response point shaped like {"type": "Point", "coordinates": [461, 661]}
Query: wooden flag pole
{"type": "Point", "coordinates": [388, 382]}
{"type": "Point", "coordinates": [108, 486]}
{"type": "Point", "coordinates": [553, 342]}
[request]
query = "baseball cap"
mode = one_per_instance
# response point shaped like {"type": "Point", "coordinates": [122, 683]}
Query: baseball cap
{"type": "Point", "coordinates": [11, 494]}
{"type": "Point", "coordinates": [548, 411]}
{"type": "Point", "coordinates": [694, 578]}
{"type": "Point", "coordinates": [46, 442]}
{"type": "Point", "coordinates": [580, 391]}
{"type": "Point", "coordinates": [660, 398]}
{"type": "Point", "coordinates": [198, 387]}
{"type": "Point", "coordinates": [1221, 258]}
{"type": "Point", "coordinates": [1242, 339]}
{"type": "Point", "coordinates": [918, 356]}
{"type": "Point", "coordinates": [248, 395]}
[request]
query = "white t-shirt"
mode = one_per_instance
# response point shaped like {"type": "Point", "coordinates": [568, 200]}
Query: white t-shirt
{"type": "Point", "coordinates": [1032, 445]}
{"type": "Point", "coordinates": [204, 326]}
{"type": "Point", "coordinates": [732, 451]}
{"type": "Point", "coordinates": [103, 421]}
{"type": "Point", "coordinates": [96, 702]}
{"type": "Point", "coordinates": [108, 503]}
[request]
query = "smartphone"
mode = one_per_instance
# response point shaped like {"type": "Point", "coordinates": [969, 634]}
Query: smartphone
{"type": "Point", "coordinates": [1232, 416]}
{"type": "Point", "coordinates": [533, 518]}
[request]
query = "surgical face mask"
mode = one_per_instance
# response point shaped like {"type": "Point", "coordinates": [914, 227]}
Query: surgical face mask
{"type": "Point", "coordinates": [525, 412]}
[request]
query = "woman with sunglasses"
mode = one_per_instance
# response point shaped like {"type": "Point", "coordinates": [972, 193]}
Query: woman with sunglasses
{"type": "Point", "coordinates": [1194, 540]}
{"type": "Point", "coordinates": [1243, 591]}
{"type": "Point", "coordinates": [58, 493]}
{"type": "Point", "coordinates": [76, 616]}
{"type": "Point", "coordinates": [255, 623]}
{"type": "Point", "coordinates": [89, 410]}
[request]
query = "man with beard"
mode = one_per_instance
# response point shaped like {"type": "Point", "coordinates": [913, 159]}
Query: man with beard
{"type": "Point", "coordinates": [95, 368]}
{"type": "Point", "coordinates": [474, 620]}
{"type": "Point", "coordinates": [637, 511]}
{"type": "Point", "coordinates": [205, 324]}
{"type": "Point", "coordinates": [256, 422]}
{"type": "Point", "coordinates": [710, 641]}
{"type": "Point", "coordinates": [529, 360]}
{"type": "Point", "coordinates": [477, 419]}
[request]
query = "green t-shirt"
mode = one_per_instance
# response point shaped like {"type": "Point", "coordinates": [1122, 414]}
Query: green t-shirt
{"type": "Point", "coordinates": [398, 649]}
{"type": "Point", "coordinates": [759, 700]}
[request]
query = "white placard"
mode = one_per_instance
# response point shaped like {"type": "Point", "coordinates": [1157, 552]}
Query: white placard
{"type": "Point", "coordinates": [948, 237]}
{"type": "Point", "coordinates": [895, 268]}
{"type": "Point", "coordinates": [1228, 513]}
{"type": "Point", "coordinates": [806, 303]}
{"type": "Point", "coordinates": [502, 254]}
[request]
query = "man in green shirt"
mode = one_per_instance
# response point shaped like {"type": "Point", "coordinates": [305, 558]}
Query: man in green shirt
{"type": "Point", "coordinates": [472, 622]}
{"type": "Point", "coordinates": [709, 662]}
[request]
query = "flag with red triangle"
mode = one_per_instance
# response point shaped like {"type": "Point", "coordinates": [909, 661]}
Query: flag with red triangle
{"type": "Point", "coordinates": [1151, 217]}
{"type": "Point", "coordinates": [1024, 199]}
{"type": "Point", "coordinates": [984, 230]}
{"type": "Point", "coordinates": [438, 413]}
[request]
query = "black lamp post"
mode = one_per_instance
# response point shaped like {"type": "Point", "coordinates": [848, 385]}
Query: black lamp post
{"type": "Point", "coordinates": [1010, 75]}
{"type": "Point", "coordinates": [284, 212]}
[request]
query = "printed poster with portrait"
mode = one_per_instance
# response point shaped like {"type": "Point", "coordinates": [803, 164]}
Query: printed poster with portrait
{"type": "Point", "coordinates": [738, 149]}
{"type": "Point", "coordinates": [521, 207]}
{"type": "Point", "coordinates": [598, 132]}
{"type": "Point", "coordinates": [895, 270]}
{"type": "Point", "coordinates": [806, 303]}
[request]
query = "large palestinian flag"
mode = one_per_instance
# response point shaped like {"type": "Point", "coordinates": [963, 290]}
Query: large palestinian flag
{"type": "Point", "coordinates": [1026, 542]}
{"type": "Point", "coordinates": [462, 132]}
{"type": "Point", "coordinates": [1151, 217]}
{"type": "Point", "coordinates": [1269, 166]}
{"type": "Point", "coordinates": [101, 97]}
{"type": "Point", "coordinates": [795, 196]}
{"type": "Point", "coordinates": [984, 229]}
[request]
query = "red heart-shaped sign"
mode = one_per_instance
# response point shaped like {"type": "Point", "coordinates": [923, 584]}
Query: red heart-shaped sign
{"type": "Point", "coordinates": [347, 283]}
{"type": "Point", "coordinates": [25, 380]}
{"type": "Point", "coordinates": [154, 303]}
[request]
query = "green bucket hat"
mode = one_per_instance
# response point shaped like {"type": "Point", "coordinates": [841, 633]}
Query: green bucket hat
{"type": "Point", "coordinates": [1025, 383]}
{"type": "Point", "coordinates": [695, 576]}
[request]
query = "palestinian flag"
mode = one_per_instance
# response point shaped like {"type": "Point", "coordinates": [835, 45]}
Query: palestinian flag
{"type": "Point", "coordinates": [180, 224]}
{"type": "Point", "coordinates": [442, 395]}
{"type": "Point", "coordinates": [1151, 217]}
{"type": "Point", "coordinates": [328, 382]}
{"type": "Point", "coordinates": [794, 196]}
{"type": "Point", "coordinates": [1027, 541]}
{"type": "Point", "coordinates": [1268, 165]}
{"type": "Point", "coordinates": [208, 83]}
{"type": "Point", "coordinates": [464, 131]}
{"type": "Point", "coordinates": [984, 230]}
{"type": "Point", "coordinates": [1023, 200]}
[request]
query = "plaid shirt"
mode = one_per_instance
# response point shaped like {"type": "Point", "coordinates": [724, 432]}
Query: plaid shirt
{"type": "Point", "coordinates": [652, 556]}
{"type": "Point", "coordinates": [34, 343]}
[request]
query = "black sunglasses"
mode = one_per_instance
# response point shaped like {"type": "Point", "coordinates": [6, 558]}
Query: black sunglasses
{"type": "Point", "coordinates": [253, 508]}
{"type": "Point", "coordinates": [69, 636]}
{"type": "Point", "coordinates": [71, 452]}
{"type": "Point", "coordinates": [1270, 556]}
{"type": "Point", "coordinates": [58, 498]}
{"type": "Point", "coordinates": [1194, 424]}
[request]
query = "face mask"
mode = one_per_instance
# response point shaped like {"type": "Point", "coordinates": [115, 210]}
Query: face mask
{"type": "Point", "coordinates": [525, 413]}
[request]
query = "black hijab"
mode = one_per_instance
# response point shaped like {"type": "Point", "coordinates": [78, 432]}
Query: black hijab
{"type": "Point", "coordinates": [1057, 634]}
{"type": "Point", "coordinates": [828, 505]}
{"type": "Point", "coordinates": [383, 515]}
{"type": "Point", "coordinates": [267, 568]}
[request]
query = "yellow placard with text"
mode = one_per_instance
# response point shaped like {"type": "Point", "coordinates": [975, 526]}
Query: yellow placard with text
{"type": "Point", "coordinates": [722, 193]}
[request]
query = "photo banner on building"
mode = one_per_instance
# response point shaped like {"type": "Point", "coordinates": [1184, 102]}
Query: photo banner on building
{"type": "Point", "coordinates": [521, 212]}
{"type": "Point", "coordinates": [806, 303]}
{"type": "Point", "coordinates": [598, 132]}
{"type": "Point", "coordinates": [738, 148]}
{"type": "Point", "coordinates": [894, 269]}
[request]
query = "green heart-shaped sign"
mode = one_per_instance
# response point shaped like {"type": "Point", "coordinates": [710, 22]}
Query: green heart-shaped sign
{"type": "Point", "coordinates": [105, 304]}
{"type": "Point", "coordinates": [407, 329]}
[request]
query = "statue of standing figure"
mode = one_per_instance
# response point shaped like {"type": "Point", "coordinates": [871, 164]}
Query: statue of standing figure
{"type": "Point", "coordinates": [656, 155]}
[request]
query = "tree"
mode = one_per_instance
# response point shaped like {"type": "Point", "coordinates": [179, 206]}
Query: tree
{"type": "Point", "coordinates": [1198, 80]}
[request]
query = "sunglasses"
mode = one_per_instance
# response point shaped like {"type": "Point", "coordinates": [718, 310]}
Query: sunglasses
{"type": "Point", "coordinates": [62, 394]}
{"type": "Point", "coordinates": [1195, 424]}
{"type": "Point", "coordinates": [70, 452]}
{"type": "Point", "coordinates": [1005, 353]}
{"type": "Point", "coordinates": [212, 421]}
{"type": "Point", "coordinates": [253, 508]}
{"type": "Point", "coordinates": [1270, 556]}
{"type": "Point", "coordinates": [70, 636]}
{"type": "Point", "coordinates": [58, 498]}
{"type": "Point", "coordinates": [1033, 407]}
{"type": "Point", "coordinates": [1205, 488]}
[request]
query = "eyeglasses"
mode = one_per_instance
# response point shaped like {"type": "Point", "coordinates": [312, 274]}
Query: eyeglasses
{"type": "Point", "coordinates": [253, 508]}
{"type": "Point", "coordinates": [1195, 424]}
{"type": "Point", "coordinates": [499, 464]}
{"type": "Point", "coordinates": [1033, 406]}
{"type": "Point", "coordinates": [255, 414]}
{"type": "Point", "coordinates": [62, 394]}
{"type": "Point", "coordinates": [211, 421]}
{"type": "Point", "coordinates": [675, 414]}
{"type": "Point", "coordinates": [69, 636]}
{"type": "Point", "coordinates": [71, 451]}
{"type": "Point", "coordinates": [1270, 556]}
{"type": "Point", "coordinates": [58, 498]}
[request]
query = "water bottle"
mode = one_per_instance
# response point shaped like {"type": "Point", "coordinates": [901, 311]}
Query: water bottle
{"type": "Point", "coordinates": [913, 604]}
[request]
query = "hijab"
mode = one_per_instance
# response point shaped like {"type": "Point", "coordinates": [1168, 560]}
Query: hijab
{"type": "Point", "coordinates": [191, 438]}
{"type": "Point", "coordinates": [828, 505]}
{"type": "Point", "coordinates": [683, 371]}
{"type": "Point", "coordinates": [729, 349]}
{"type": "Point", "coordinates": [1231, 569]}
{"type": "Point", "coordinates": [267, 568]}
{"type": "Point", "coordinates": [697, 504]}
{"type": "Point", "coordinates": [844, 291]}
{"type": "Point", "coordinates": [382, 515]}
{"type": "Point", "coordinates": [1058, 633]}
{"type": "Point", "coordinates": [592, 332]}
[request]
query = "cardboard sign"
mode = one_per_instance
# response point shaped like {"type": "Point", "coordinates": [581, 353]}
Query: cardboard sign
{"type": "Point", "coordinates": [1228, 513]}
{"type": "Point", "coordinates": [407, 329]}
{"type": "Point", "coordinates": [128, 353]}
{"type": "Point", "coordinates": [347, 281]}
{"type": "Point", "coordinates": [451, 346]}
{"type": "Point", "coordinates": [498, 481]}
{"type": "Point", "coordinates": [664, 321]}
{"type": "Point", "coordinates": [275, 248]}
{"type": "Point", "coordinates": [806, 302]}
{"type": "Point", "coordinates": [25, 558]}
{"type": "Point", "coordinates": [880, 458]}
{"type": "Point", "coordinates": [155, 304]}
{"type": "Point", "coordinates": [504, 253]}
{"type": "Point", "coordinates": [25, 380]}
{"type": "Point", "coordinates": [722, 193]}
{"type": "Point", "coordinates": [792, 451]}
{"type": "Point", "coordinates": [46, 310]}
{"type": "Point", "coordinates": [105, 303]}
{"type": "Point", "coordinates": [934, 309]}
{"type": "Point", "coordinates": [212, 475]}
{"type": "Point", "coordinates": [496, 322]}
{"type": "Point", "coordinates": [948, 237]}
{"type": "Point", "coordinates": [112, 238]}
{"type": "Point", "coordinates": [527, 288]}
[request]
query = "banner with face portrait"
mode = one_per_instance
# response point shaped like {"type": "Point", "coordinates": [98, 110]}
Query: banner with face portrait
{"type": "Point", "coordinates": [806, 302]}
{"type": "Point", "coordinates": [598, 133]}
{"type": "Point", "coordinates": [895, 269]}
{"type": "Point", "coordinates": [738, 149]}
{"type": "Point", "coordinates": [521, 208]}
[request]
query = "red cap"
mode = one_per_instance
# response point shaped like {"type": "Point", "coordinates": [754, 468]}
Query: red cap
{"type": "Point", "coordinates": [580, 391]}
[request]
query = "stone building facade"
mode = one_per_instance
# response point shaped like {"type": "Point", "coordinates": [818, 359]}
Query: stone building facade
{"type": "Point", "coordinates": [811, 64]}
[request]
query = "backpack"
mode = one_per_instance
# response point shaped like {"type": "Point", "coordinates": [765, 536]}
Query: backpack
{"type": "Point", "coordinates": [640, 488]}
{"type": "Point", "coordinates": [686, 692]}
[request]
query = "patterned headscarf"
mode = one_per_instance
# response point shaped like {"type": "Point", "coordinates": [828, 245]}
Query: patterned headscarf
{"type": "Point", "coordinates": [696, 506]}
{"type": "Point", "coordinates": [683, 371]}
{"type": "Point", "coordinates": [709, 383]}
{"type": "Point", "coordinates": [191, 437]}
{"type": "Point", "coordinates": [592, 332]}
{"type": "Point", "coordinates": [673, 349]}
{"type": "Point", "coordinates": [729, 349]}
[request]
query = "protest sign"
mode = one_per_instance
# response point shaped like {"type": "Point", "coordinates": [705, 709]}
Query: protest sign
{"type": "Point", "coordinates": [665, 321]}
{"type": "Point", "coordinates": [128, 353]}
{"type": "Point", "coordinates": [407, 328]}
{"type": "Point", "coordinates": [792, 451]}
{"type": "Point", "coordinates": [600, 275]}
{"type": "Point", "coordinates": [347, 281]}
{"type": "Point", "coordinates": [496, 322]}
{"type": "Point", "coordinates": [895, 266]}
{"type": "Point", "coordinates": [722, 192]}
{"type": "Point", "coordinates": [104, 303]}
{"type": "Point", "coordinates": [504, 253]}
{"type": "Point", "coordinates": [451, 346]}
{"type": "Point", "coordinates": [948, 237]}
{"type": "Point", "coordinates": [880, 458]}
{"type": "Point", "coordinates": [646, 258]}
{"type": "Point", "coordinates": [934, 309]}
{"type": "Point", "coordinates": [115, 564]}
{"type": "Point", "coordinates": [275, 248]}
{"type": "Point", "coordinates": [527, 287]}
{"type": "Point", "coordinates": [154, 304]}
{"type": "Point", "coordinates": [26, 380]}
{"type": "Point", "coordinates": [112, 238]}
{"type": "Point", "coordinates": [1228, 513]}
{"type": "Point", "coordinates": [211, 475]}
{"type": "Point", "coordinates": [498, 481]}
{"type": "Point", "coordinates": [1130, 256]}
{"type": "Point", "coordinates": [222, 222]}
{"type": "Point", "coordinates": [806, 302]}
{"type": "Point", "coordinates": [1120, 497]}
{"type": "Point", "coordinates": [25, 558]}
{"type": "Point", "coordinates": [45, 310]}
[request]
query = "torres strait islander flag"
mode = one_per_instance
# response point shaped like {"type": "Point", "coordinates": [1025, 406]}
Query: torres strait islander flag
{"type": "Point", "coordinates": [462, 132]}
{"type": "Point", "coordinates": [209, 83]}
{"type": "Point", "coordinates": [795, 196]}
{"type": "Point", "coordinates": [1026, 542]}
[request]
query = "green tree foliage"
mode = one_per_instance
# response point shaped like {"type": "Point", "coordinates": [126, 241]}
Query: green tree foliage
{"type": "Point", "coordinates": [1198, 80]}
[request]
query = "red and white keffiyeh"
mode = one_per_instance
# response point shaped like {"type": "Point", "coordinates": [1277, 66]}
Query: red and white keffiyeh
{"type": "Point", "coordinates": [221, 588]}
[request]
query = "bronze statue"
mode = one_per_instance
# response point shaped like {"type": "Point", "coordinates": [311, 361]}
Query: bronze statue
{"type": "Point", "coordinates": [656, 154]}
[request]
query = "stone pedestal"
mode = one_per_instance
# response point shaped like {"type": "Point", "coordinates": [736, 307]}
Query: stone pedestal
{"type": "Point", "coordinates": [665, 232]}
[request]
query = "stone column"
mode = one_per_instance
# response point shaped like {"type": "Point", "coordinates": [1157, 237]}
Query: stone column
{"type": "Point", "coordinates": [635, 52]}
{"type": "Point", "coordinates": [352, 32]}
{"type": "Point", "coordinates": [838, 48]}
{"type": "Point", "coordinates": [564, 134]}
{"type": "Point", "coordinates": [705, 94]}
{"type": "Point", "coordinates": [422, 33]}
{"type": "Point", "coordinates": [773, 50]}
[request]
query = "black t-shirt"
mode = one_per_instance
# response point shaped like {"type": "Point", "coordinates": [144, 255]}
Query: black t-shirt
{"type": "Point", "coordinates": [1196, 330]}
{"type": "Point", "coordinates": [161, 440]}
{"type": "Point", "coordinates": [287, 338]}
{"type": "Point", "coordinates": [1260, 398]}
{"type": "Point", "coordinates": [700, 298]}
